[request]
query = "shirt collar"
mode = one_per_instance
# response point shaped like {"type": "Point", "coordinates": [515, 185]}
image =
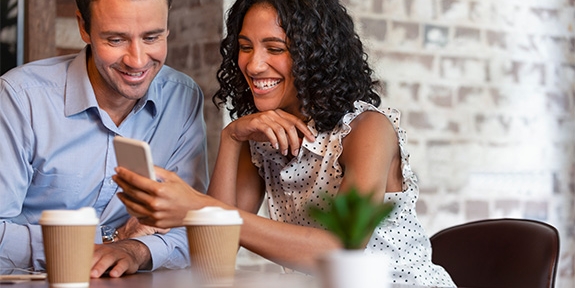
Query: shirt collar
{"type": "Point", "coordinates": [319, 146]}
{"type": "Point", "coordinates": [79, 94]}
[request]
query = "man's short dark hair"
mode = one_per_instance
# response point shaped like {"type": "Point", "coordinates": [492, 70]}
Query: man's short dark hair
{"type": "Point", "coordinates": [84, 7]}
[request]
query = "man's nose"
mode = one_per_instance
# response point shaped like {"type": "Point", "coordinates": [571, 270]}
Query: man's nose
{"type": "Point", "coordinates": [136, 56]}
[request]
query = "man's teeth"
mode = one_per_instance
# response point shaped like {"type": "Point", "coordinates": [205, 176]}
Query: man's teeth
{"type": "Point", "coordinates": [266, 84]}
{"type": "Point", "coordinates": [137, 74]}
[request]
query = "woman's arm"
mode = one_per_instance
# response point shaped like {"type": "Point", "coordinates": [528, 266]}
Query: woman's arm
{"type": "Point", "coordinates": [293, 246]}
{"type": "Point", "coordinates": [371, 161]}
{"type": "Point", "coordinates": [235, 180]}
{"type": "Point", "coordinates": [371, 158]}
{"type": "Point", "coordinates": [290, 245]}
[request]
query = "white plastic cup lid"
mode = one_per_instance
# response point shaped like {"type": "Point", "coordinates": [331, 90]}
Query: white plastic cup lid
{"type": "Point", "coordinates": [82, 216]}
{"type": "Point", "coordinates": [213, 216]}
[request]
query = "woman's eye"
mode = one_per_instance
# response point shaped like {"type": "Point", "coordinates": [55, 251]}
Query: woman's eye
{"type": "Point", "coordinates": [245, 48]}
{"type": "Point", "coordinates": [276, 50]}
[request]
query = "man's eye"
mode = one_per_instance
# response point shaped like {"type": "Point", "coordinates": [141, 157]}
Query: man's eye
{"type": "Point", "coordinates": [151, 38]}
{"type": "Point", "coordinates": [115, 41]}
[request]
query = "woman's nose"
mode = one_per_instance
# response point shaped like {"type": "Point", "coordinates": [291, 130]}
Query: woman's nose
{"type": "Point", "coordinates": [257, 63]}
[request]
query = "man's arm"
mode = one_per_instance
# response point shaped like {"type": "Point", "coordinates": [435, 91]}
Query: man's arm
{"type": "Point", "coordinates": [20, 244]}
{"type": "Point", "coordinates": [15, 246]}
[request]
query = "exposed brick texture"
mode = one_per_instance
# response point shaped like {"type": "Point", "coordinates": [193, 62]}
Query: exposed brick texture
{"type": "Point", "coordinates": [487, 94]}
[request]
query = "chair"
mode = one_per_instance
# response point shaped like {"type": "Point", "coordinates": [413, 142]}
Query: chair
{"type": "Point", "coordinates": [495, 253]}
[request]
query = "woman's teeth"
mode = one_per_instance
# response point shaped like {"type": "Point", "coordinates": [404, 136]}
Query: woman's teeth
{"type": "Point", "coordinates": [266, 84]}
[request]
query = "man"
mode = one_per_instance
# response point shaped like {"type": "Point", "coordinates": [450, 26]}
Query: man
{"type": "Point", "coordinates": [57, 120]}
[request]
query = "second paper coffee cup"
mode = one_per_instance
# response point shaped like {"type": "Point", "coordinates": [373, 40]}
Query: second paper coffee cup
{"type": "Point", "coordinates": [213, 238]}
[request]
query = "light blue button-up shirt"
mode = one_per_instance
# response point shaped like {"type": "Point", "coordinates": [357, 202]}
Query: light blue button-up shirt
{"type": "Point", "coordinates": [56, 152]}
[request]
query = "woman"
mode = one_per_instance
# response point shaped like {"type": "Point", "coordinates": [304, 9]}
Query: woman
{"type": "Point", "coordinates": [298, 84]}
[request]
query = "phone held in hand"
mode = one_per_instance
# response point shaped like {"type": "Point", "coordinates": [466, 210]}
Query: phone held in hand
{"type": "Point", "coordinates": [134, 155]}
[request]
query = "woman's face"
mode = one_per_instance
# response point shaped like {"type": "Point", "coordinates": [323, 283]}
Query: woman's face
{"type": "Point", "coordinates": [265, 60]}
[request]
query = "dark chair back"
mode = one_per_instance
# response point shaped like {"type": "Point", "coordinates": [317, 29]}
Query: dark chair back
{"type": "Point", "coordinates": [494, 253]}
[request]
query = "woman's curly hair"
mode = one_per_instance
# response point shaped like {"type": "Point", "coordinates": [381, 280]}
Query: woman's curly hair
{"type": "Point", "coordinates": [330, 67]}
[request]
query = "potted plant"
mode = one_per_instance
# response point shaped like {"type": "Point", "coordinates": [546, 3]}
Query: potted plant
{"type": "Point", "coordinates": [352, 218]}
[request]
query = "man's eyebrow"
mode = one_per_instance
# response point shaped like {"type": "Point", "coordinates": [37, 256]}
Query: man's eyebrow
{"type": "Point", "coordinates": [123, 34]}
{"type": "Point", "coordinates": [156, 31]}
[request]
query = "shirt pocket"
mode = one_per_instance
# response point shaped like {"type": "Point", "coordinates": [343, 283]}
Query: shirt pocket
{"type": "Point", "coordinates": [54, 191]}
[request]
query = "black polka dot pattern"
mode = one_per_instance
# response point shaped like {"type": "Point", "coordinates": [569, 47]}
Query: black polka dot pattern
{"type": "Point", "coordinates": [293, 184]}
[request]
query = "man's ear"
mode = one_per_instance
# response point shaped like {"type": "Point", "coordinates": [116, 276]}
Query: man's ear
{"type": "Point", "coordinates": [82, 27]}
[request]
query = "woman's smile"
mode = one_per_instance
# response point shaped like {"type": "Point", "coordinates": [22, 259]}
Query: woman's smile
{"type": "Point", "coordinates": [265, 84]}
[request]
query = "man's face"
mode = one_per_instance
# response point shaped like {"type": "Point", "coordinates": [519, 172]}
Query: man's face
{"type": "Point", "coordinates": [128, 41]}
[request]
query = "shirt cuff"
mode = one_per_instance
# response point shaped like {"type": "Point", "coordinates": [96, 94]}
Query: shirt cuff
{"type": "Point", "coordinates": [168, 250]}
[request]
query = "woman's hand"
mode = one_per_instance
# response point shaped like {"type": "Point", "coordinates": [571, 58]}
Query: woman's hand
{"type": "Point", "coordinates": [278, 127]}
{"type": "Point", "coordinates": [161, 204]}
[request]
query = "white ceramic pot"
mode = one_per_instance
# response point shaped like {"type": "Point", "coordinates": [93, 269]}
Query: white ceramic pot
{"type": "Point", "coordinates": [353, 269]}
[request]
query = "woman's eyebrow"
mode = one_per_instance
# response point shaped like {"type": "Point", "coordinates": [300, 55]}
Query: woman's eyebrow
{"type": "Point", "coordinates": [267, 39]}
{"type": "Point", "coordinates": [274, 39]}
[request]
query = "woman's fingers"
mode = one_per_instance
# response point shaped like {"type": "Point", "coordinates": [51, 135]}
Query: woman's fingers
{"type": "Point", "coordinates": [149, 216]}
{"type": "Point", "coordinates": [278, 127]}
{"type": "Point", "coordinates": [139, 193]}
{"type": "Point", "coordinates": [134, 208]}
{"type": "Point", "coordinates": [161, 204]}
{"type": "Point", "coordinates": [291, 127]}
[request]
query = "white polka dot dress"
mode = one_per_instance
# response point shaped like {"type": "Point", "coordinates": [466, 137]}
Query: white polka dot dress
{"type": "Point", "coordinates": [294, 184]}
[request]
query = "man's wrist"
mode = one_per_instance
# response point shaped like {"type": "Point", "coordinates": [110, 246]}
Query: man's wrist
{"type": "Point", "coordinates": [140, 252]}
{"type": "Point", "coordinates": [109, 234]}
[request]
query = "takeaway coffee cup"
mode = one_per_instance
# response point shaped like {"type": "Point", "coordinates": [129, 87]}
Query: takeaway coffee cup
{"type": "Point", "coordinates": [69, 245]}
{"type": "Point", "coordinates": [213, 238]}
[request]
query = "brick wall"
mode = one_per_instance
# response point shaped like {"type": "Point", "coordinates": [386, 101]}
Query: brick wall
{"type": "Point", "coordinates": [487, 94]}
{"type": "Point", "coordinates": [196, 28]}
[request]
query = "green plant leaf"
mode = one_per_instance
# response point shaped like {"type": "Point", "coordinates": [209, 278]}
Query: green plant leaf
{"type": "Point", "coordinates": [351, 216]}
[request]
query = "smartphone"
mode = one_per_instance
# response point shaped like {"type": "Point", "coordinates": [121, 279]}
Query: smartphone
{"type": "Point", "coordinates": [134, 155]}
{"type": "Point", "coordinates": [16, 275]}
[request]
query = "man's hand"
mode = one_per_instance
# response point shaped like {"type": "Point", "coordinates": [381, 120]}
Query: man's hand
{"type": "Point", "coordinates": [126, 256]}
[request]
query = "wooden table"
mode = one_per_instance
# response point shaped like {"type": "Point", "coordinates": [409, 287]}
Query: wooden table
{"type": "Point", "coordinates": [185, 279]}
